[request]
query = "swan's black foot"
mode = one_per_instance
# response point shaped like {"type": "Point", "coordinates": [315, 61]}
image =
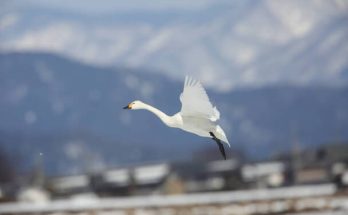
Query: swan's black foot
{"type": "Point", "coordinates": [218, 142]}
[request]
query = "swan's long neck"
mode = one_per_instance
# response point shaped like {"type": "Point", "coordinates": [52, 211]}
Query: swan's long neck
{"type": "Point", "coordinates": [164, 117]}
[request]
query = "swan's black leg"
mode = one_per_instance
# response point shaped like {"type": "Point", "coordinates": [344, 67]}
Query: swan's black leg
{"type": "Point", "coordinates": [221, 146]}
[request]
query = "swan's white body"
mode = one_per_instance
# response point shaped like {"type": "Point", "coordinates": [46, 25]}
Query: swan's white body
{"type": "Point", "coordinates": [197, 114]}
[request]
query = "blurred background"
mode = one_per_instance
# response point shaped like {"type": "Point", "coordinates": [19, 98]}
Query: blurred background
{"type": "Point", "coordinates": [277, 71]}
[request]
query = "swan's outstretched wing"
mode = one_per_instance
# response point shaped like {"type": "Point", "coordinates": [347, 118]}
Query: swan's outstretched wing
{"type": "Point", "coordinates": [195, 101]}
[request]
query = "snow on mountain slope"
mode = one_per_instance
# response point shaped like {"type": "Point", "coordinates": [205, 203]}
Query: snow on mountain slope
{"type": "Point", "coordinates": [226, 44]}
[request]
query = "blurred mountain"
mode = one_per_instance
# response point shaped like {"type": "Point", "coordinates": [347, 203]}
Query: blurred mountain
{"type": "Point", "coordinates": [228, 44]}
{"type": "Point", "coordinates": [71, 113]}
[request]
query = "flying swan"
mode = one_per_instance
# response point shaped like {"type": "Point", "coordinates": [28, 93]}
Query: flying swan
{"type": "Point", "coordinates": [197, 114]}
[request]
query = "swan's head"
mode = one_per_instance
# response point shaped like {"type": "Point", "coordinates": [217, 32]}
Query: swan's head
{"type": "Point", "coordinates": [134, 105]}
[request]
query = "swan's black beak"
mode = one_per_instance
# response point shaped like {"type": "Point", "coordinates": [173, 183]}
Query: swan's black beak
{"type": "Point", "coordinates": [127, 107]}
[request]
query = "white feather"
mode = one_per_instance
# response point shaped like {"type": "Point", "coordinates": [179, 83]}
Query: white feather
{"type": "Point", "coordinates": [195, 101]}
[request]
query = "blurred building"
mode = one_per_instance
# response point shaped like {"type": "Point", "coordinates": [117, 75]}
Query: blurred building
{"type": "Point", "coordinates": [321, 165]}
{"type": "Point", "coordinates": [327, 164]}
{"type": "Point", "coordinates": [263, 175]}
{"type": "Point", "coordinates": [148, 179]}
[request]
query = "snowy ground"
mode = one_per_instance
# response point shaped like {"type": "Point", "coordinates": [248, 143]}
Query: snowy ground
{"type": "Point", "coordinates": [293, 200]}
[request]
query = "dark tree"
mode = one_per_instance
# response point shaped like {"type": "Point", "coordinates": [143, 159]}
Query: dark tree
{"type": "Point", "coordinates": [6, 169]}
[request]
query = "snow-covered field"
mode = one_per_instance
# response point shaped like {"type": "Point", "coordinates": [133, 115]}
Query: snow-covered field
{"type": "Point", "coordinates": [301, 199]}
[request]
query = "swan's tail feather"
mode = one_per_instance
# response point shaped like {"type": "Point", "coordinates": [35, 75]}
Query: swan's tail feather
{"type": "Point", "coordinates": [220, 134]}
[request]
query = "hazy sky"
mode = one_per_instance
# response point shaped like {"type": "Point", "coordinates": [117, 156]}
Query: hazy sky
{"type": "Point", "coordinates": [92, 6]}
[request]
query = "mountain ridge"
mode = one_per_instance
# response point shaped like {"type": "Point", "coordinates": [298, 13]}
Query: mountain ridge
{"type": "Point", "coordinates": [61, 108]}
{"type": "Point", "coordinates": [227, 44]}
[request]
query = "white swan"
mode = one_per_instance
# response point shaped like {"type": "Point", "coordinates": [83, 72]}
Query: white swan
{"type": "Point", "coordinates": [197, 114]}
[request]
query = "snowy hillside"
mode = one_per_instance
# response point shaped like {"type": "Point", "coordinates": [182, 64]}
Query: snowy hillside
{"type": "Point", "coordinates": [225, 43]}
